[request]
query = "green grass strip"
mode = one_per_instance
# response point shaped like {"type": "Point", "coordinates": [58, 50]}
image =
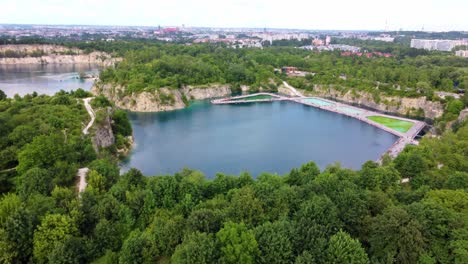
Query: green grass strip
{"type": "Point", "coordinates": [395, 124]}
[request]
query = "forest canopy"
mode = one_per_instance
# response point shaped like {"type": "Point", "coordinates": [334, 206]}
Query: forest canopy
{"type": "Point", "coordinates": [336, 215]}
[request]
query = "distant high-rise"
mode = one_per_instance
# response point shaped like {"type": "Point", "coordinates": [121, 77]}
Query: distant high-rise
{"type": "Point", "coordinates": [436, 44]}
{"type": "Point", "coordinates": [327, 40]}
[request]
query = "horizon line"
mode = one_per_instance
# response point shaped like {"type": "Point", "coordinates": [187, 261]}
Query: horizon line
{"type": "Point", "coordinates": [231, 27]}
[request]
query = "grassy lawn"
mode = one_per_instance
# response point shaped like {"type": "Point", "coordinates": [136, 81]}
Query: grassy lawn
{"type": "Point", "coordinates": [256, 97]}
{"type": "Point", "coordinates": [396, 124]}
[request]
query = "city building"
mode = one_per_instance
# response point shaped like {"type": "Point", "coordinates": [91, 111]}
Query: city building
{"type": "Point", "coordinates": [437, 44]}
{"type": "Point", "coordinates": [317, 42]}
{"type": "Point", "coordinates": [461, 53]}
{"type": "Point", "coordinates": [289, 70]}
{"type": "Point", "coordinates": [327, 40]}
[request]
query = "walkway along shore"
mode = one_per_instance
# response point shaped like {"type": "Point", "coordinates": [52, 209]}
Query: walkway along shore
{"type": "Point", "coordinates": [358, 113]}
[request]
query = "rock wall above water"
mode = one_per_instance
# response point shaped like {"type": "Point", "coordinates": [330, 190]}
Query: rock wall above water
{"type": "Point", "coordinates": [162, 99]}
{"type": "Point", "coordinates": [391, 104]}
{"type": "Point", "coordinates": [53, 54]}
{"type": "Point", "coordinates": [104, 136]}
{"type": "Point", "coordinates": [212, 91]}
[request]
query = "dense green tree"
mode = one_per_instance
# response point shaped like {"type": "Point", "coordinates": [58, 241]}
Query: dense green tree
{"type": "Point", "coordinates": [135, 249]}
{"type": "Point", "coordinates": [2, 95]}
{"type": "Point", "coordinates": [316, 220]}
{"type": "Point", "coordinates": [455, 106]}
{"type": "Point", "coordinates": [197, 248]}
{"type": "Point", "coordinates": [35, 180]}
{"type": "Point", "coordinates": [16, 237]}
{"type": "Point", "coordinates": [245, 207]}
{"type": "Point", "coordinates": [238, 244]}
{"type": "Point", "coordinates": [106, 168]}
{"type": "Point", "coordinates": [274, 242]}
{"type": "Point", "coordinates": [205, 220]}
{"type": "Point", "coordinates": [166, 232]}
{"type": "Point", "coordinates": [71, 251]}
{"type": "Point", "coordinates": [305, 258]}
{"type": "Point", "coordinates": [107, 235]}
{"type": "Point", "coordinates": [395, 236]}
{"type": "Point", "coordinates": [342, 248]}
{"type": "Point", "coordinates": [53, 230]}
{"type": "Point", "coordinates": [121, 124]}
{"type": "Point", "coordinates": [304, 175]}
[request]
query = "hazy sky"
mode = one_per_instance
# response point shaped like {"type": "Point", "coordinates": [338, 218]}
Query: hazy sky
{"type": "Point", "coordinates": [434, 15]}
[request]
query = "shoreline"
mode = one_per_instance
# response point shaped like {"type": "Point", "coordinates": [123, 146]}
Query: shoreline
{"type": "Point", "coordinates": [404, 138]}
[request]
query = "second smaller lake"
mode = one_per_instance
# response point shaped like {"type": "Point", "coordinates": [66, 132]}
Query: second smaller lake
{"type": "Point", "coordinates": [44, 79]}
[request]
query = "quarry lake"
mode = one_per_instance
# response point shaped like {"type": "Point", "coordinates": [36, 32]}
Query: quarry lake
{"type": "Point", "coordinates": [254, 137]}
{"type": "Point", "coordinates": [44, 79]}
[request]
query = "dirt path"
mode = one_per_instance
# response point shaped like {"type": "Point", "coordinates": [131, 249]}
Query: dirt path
{"type": "Point", "coordinates": [91, 113]}
{"type": "Point", "coordinates": [83, 172]}
{"type": "Point", "coordinates": [294, 91]}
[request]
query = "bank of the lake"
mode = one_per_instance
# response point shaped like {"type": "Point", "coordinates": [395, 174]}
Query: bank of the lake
{"type": "Point", "coordinates": [256, 137]}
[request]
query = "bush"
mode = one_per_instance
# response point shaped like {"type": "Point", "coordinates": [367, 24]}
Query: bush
{"type": "Point", "coordinates": [100, 101]}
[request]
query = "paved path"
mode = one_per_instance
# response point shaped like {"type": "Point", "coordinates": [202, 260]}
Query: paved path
{"type": "Point", "coordinates": [91, 113]}
{"type": "Point", "coordinates": [82, 173]}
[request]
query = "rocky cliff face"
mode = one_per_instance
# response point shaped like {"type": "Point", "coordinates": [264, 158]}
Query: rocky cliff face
{"type": "Point", "coordinates": [200, 93]}
{"type": "Point", "coordinates": [104, 136]}
{"type": "Point", "coordinates": [55, 55]}
{"type": "Point", "coordinates": [392, 104]}
{"type": "Point", "coordinates": [162, 100]}
{"type": "Point", "coordinates": [463, 115]}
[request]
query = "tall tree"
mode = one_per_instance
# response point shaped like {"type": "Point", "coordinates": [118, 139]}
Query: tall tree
{"type": "Point", "coordinates": [54, 229]}
{"type": "Point", "coordinates": [342, 248]}
{"type": "Point", "coordinates": [197, 248]}
{"type": "Point", "coordinates": [238, 244]}
{"type": "Point", "coordinates": [395, 236]}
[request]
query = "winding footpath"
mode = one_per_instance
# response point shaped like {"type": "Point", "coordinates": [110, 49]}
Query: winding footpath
{"type": "Point", "coordinates": [83, 172]}
{"type": "Point", "coordinates": [91, 113]}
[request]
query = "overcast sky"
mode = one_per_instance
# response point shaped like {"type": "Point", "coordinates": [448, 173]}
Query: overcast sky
{"type": "Point", "coordinates": [435, 15]}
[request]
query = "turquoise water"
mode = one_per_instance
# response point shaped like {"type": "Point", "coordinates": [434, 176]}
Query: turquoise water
{"type": "Point", "coordinates": [350, 110]}
{"type": "Point", "coordinates": [44, 79]}
{"type": "Point", "coordinates": [317, 101]}
{"type": "Point", "coordinates": [256, 137]}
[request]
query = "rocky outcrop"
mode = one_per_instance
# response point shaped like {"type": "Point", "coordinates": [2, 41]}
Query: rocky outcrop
{"type": "Point", "coordinates": [463, 115]}
{"type": "Point", "coordinates": [52, 54]}
{"type": "Point", "coordinates": [104, 136]}
{"type": "Point", "coordinates": [392, 104]}
{"type": "Point", "coordinates": [162, 99]}
{"type": "Point", "coordinates": [200, 93]}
